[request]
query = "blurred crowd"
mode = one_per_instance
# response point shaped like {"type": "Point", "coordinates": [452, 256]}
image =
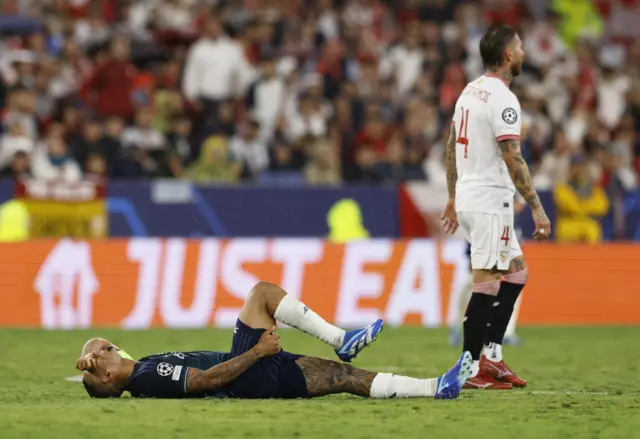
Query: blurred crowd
{"type": "Point", "coordinates": [316, 91]}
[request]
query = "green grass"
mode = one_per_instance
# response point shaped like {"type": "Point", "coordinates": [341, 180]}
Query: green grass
{"type": "Point", "coordinates": [598, 366]}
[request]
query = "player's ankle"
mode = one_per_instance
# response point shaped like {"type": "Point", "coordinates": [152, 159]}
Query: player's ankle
{"type": "Point", "coordinates": [493, 352]}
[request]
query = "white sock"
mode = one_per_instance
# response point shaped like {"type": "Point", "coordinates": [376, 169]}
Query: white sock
{"type": "Point", "coordinates": [493, 351]}
{"type": "Point", "coordinates": [388, 385]}
{"type": "Point", "coordinates": [292, 312]}
{"type": "Point", "coordinates": [475, 368]}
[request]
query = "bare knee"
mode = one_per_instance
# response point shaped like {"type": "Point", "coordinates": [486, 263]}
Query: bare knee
{"type": "Point", "coordinates": [267, 294]}
{"type": "Point", "coordinates": [256, 312]}
{"type": "Point", "coordinates": [262, 290]}
{"type": "Point", "coordinates": [517, 264]}
{"type": "Point", "coordinates": [259, 292]}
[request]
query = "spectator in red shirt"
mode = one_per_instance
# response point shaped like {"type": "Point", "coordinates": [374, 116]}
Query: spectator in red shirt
{"type": "Point", "coordinates": [110, 87]}
{"type": "Point", "coordinates": [452, 86]}
{"type": "Point", "coordinates": [503, 11]}
{"type": "Point", "coordinates": [374, 134]}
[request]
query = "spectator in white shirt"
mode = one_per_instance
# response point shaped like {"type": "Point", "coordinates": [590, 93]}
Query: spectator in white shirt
{"type": "Point", "coordinates": [138, 17]}
{"type": "Point", "coordinates": [52, 162]}
{"type": "Point", "coordinates": [15, 140]}
{"type": "Point", "coordinates": [307, 120]}
{"type": "Point", "coordinates": [328, 20]}
{"type": "Point", "coordinates": [175, 15]}
{"type": "Point", "coordinates": [554, 168]}
{"type": "Point", "coordinates": [404, 61]}
{"type": "Point", "coordinates": [92, 31]}
{"type": "Point", "coordinates": [249, 148]}
{"type": "Point", "coordinates": [612, 90]}
{"type": "Point", "coordinates": [266, 97]}
{"type": "Point", "coordinates": [216, 68]}
{"type": "Point", "coordinates": [143, 135]}
{"type": "Point", "coordinates": [21, 108]}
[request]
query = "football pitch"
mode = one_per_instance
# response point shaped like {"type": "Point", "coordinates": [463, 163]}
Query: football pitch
{"type": "Point", "coordinates": [583, 383]}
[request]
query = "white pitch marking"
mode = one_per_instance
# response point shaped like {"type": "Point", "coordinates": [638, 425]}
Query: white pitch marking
{"type": "Point", "coordinates": [563, 392]}
{"type": "Point", "coordinates": [74, 379]}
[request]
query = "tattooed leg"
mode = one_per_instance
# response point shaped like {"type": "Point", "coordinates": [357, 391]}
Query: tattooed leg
{"type": "Point", "coordinates": [326, 377]}
{"type": "Point", "coordinates": [517, 264]}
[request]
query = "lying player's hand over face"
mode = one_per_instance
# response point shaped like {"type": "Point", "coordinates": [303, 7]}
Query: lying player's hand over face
{"type": "Point", "coordinates": [88, 362]}
{"type": "Point", "coordinates": [269, 343]}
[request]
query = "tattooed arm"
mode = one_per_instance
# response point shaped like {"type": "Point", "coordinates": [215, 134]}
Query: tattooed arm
{"type": "Point", "coordinates": [521, 177]}
{"type": "Point", "coordinates": [519, 171]}
{"type": "Point", "coordinates": [326, 377]}
{"type": "Point", "coordinates": [450, 160]}
{"type": "Point", "coordinates": [202, 381]}
{"type": "Point", "coordinates": [449, 216]}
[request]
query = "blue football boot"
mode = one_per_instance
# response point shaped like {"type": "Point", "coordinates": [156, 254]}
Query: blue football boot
{"type": "Point", "coordinates": [450, 384]}
{"type": "Point", "coordinates": [358, 339]}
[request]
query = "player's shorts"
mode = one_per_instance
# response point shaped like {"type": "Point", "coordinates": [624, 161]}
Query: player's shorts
{"type": "Point", "coordinates": [492, 237]}
{"type": "Point", "coordinates": [271, 377]}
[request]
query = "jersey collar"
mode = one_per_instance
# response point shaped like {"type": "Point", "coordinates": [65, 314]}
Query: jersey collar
{"type": "Point", "coordinates": [495, 75]}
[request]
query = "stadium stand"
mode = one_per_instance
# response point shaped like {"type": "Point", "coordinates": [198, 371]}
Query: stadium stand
{"type": "Point", "coordinates": [295, 92]}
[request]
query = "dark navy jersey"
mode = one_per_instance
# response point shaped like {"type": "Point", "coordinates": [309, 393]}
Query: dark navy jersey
{"type": "Point", "coordinates": [165, 375]}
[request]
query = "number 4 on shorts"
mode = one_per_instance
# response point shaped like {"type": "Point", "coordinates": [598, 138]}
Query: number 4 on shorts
{"type": "Point", "coordinates": [505, 235]}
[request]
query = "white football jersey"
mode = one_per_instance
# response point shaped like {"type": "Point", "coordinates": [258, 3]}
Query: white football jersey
{"type": "Point", "coordinates": [486, 112]}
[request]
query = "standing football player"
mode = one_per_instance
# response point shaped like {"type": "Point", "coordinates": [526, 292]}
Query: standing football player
{"type": "Point", "coordinates": [463, 296]}
{"type": "Point", "coordinates": [484, 168]}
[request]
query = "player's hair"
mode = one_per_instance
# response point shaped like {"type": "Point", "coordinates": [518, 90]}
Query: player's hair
{"type": "Point", "coordinates": [493, 44]}
{"type": "Point", "coordinates": [99, 393]}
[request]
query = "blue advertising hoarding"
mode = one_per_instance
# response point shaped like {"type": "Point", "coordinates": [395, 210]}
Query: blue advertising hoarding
{"type": "Point", "coordinates": [173, 208]}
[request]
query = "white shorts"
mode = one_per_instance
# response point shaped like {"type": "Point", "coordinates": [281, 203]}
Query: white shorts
{"type": "Point", "coordinates": [493, 241]}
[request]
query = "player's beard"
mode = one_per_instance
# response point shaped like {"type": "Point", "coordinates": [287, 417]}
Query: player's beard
{"type": "Point", "coordinates": [516, 69]}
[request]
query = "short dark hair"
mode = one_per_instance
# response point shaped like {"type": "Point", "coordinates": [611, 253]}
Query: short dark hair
{"type": "Point", "coordinates": [95, 393]}
{"type": "Point", "coordinates": [493, 44]}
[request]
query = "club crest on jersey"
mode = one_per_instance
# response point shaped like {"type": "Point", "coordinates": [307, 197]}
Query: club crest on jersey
{"type": "Point", "coordinates": [510, 116]}
{"type": "Point", "coordinates": [164, 369]}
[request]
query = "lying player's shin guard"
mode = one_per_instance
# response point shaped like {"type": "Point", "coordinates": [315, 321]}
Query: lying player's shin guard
{"type": "Point", "coordinates": [292, 312]}
{"type": "Point", "coordinates": [388, 385]}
